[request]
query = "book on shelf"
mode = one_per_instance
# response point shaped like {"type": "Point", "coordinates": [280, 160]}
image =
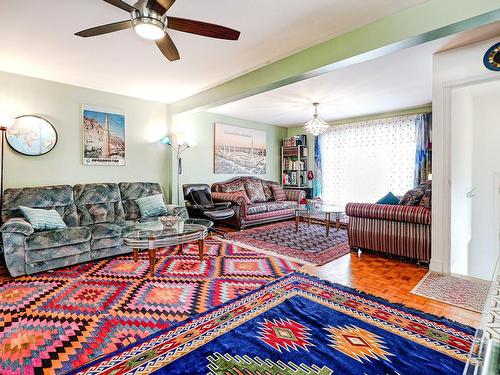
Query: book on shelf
{"type": "Point", "coordinates": [297, 140]}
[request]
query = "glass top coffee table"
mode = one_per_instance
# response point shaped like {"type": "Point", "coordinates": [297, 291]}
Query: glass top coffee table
{"type": "Point", "coordinates": [319, 211]}
{"type": "Point", "coordinates": [154, 235]}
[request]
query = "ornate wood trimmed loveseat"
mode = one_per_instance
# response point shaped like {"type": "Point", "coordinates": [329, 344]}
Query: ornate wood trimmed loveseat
{"type": "Point", "coordinates": [247, 212]}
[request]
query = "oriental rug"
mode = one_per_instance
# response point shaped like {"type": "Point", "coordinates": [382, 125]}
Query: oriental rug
{"type": "Point", "coordinates": [465, 292]}
{"type": "Point", "coordinates": [299, 325]}
{"type": "Point", "coordinates": [308, 245]}
{"type": "Point", "coordinates": [55, 321]}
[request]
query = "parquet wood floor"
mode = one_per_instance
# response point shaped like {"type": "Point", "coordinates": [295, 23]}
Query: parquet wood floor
{"type": "Point", "coordinates": [375, 274]}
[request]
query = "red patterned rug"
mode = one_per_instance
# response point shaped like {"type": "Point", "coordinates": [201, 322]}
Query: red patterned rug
{"type": "Point", "coordinates": [309, 244]}
{"type": "Point", "coordinates": [56, 321]}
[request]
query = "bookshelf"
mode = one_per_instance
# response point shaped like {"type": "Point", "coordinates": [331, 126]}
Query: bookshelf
{"type": "Point", "coordinates": [294, 161]}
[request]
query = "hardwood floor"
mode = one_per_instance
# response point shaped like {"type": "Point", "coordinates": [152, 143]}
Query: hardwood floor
{"type": "Point", "coordinates": [375, 274]}
{"type": "Point", "coordinates": [389, 279]}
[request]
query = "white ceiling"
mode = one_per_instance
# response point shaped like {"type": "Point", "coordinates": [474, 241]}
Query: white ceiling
{"type": "Point", "coordinates": [37, 40]}
{"type": "Point", "coordinates": [397, 81]}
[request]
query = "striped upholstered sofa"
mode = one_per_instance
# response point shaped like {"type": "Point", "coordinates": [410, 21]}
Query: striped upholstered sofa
{"type": "Point", "coordinates": [249, 211]}
{"type": "Point", "coordinates": [398, 230]}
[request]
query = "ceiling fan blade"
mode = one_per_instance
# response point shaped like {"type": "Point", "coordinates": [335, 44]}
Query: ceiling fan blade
{"type": "Point", "coordinates": [160, 6]}
{"type": "Point", "coordinates": [168, 48]}
{"type": "Point", "coordinates": [105, 29]}
{"type": "Point", "coordinates": [121, 4]}
{"type": "Point", "coordinates": [202, 28]}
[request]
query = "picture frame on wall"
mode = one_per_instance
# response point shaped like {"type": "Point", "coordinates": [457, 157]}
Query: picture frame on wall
{"type": "Point", "coordinates": [239, 150]}
{"type": "Point", "coordinates": [103, 136]}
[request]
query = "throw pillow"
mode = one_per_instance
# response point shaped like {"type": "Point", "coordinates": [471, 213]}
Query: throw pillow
{"type": "Point", "coordinates": [266, 185]}
{"type": "Point", "coordinates": [152, 206]}
{"type": "Point", "coordinates": [413, 196]}
{"type": "Point", "coordinates": [426, 200]}
{"type": "Point", "coordinates": [278, 193]}
{"type": "Point", "coordinates": [41, 219]}
{"type": "Point", "coordinates": [389, 198]}
{"type": "Point", "coordinates": [255, 191]}
{"type": "Point", "coordinates": [231, 187]}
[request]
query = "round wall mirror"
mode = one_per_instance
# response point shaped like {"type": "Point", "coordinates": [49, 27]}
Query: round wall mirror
{"type": "Point", "coordinates": [31, 135]}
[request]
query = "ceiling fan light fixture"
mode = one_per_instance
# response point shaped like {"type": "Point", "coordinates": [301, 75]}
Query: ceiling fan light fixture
{"type": "Point", "coordinates": [316, 126]}
{"type": "Point", "coordinates": [149, 28]}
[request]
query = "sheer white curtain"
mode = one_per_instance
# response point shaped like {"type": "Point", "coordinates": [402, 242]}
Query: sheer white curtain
{"type": "Point", "coordinates": [361, 162]}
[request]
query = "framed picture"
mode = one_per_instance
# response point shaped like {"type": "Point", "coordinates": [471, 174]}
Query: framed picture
{"type": "Point", "coordinates": [32, 135]}
{"type": "Point", "coordinates": [239, 150]}
{"type": "Point", "coordinates": [103, 136]}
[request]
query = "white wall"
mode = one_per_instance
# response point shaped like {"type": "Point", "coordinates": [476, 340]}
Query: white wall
{"type": "Point", "coordinates": [461, 179]}
{"type": "Point", "coordinates": [146, 123]}
{"type": "Point", "coordinates": [453, 68]}
{"type": "Point", "coordinates": [198, 162]}
{"type": "Point", "coordinates": [486, 163]}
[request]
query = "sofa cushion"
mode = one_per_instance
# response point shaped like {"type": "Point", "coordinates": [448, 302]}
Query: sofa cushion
{"type": "Point", "coordinates": [131, 191]}
{"type": "Point", "coordinates": [389, 198]}
{"type": "Point", "coordinates": [105, 230]}
{"type": "Point", "coordinates": [254, 190]}
{"type": "Point", "coordinates": [281, 205]}
{"type": "Point", "coordinates": [257, 208]}
{"type": "Point", "coordinates": [59, 198]}
{"type": "Point", "coordinates": [105, 243]}
{"type": "Point", "coordinates": [152, 206]}
{"type": "Point", "coordinates": [42, 219]}
{"type": "Point", "coordinates": [278, 193]}
{"type": "Point", "coordinates": [57, 238]}
{"type": "Point", "coordinates": [426, 200]}
{"type": "Point", "coordinates": [51, 254]}
{"type": "Point", "coordinates": [231, 187]}
{"type": "Point", "coordinates": [413, 196]}
{"type": "Point", "coordinates": [266, 185]}
{"type": "Point", "coordinates": [98, 203]}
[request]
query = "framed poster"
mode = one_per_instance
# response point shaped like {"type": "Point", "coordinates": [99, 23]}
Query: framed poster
{"type": "Point", "coordinates": [239, 150]}
{"type": "Point", "coordinates": [103, 136]}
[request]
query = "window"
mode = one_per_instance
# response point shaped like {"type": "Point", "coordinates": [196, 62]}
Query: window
{"type": "Point", "coordinates": [361, 162]}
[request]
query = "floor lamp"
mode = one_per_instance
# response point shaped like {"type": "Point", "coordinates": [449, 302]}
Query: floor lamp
{"type": "Point", "coordinates": [181, 147]}
{"type": "Point", "coordinates": [5, 123]}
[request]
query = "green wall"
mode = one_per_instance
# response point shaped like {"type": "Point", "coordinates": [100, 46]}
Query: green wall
{"type": "Point", "coordinates": [198, 161]}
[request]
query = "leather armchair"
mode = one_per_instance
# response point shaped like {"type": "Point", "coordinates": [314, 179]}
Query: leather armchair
{"type": "Point", "coordinates": [199, 204]}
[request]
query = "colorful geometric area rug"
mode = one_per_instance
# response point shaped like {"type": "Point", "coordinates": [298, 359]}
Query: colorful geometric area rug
{"type": "Point", "coordinates": [299, 325]}
{"type": "Point", "coordinates": [56, 321]}
{"type": "Point", "coordinates": [465, 292]}
{"type": "Point", "coordinates": [309, 244]}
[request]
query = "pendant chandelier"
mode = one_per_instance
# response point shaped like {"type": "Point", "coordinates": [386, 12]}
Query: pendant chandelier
{"type": "Point", "coordinates": [316, 126]}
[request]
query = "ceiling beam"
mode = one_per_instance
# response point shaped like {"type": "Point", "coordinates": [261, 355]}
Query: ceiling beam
{"type": "Point", "coordinates": [431, 20]}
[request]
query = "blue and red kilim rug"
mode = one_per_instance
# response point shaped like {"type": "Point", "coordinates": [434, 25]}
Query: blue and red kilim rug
{"type": "Point", "coordinates": [55, 322]}
{"type": "Point", "coordinates": [299, 325]}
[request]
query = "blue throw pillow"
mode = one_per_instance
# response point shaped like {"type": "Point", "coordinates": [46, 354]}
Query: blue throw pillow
{"type": "Point", "coordinates": [41, 219]}
{"type": "Point", "coordinates": [152, 206]}
{"type": "Point", "coordinates": [389, 199]}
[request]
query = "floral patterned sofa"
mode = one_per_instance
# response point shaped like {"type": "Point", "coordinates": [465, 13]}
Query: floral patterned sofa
{"type": "Point", "coordinates": [95, 215]}
{"type": "Point", "coordinates": [254, 201]}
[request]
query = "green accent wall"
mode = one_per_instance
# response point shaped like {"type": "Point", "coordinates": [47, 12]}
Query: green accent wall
{"type": "Point", "coordinates": [198, 162]}
{"type": "Point", "coordinates": [428, 21]}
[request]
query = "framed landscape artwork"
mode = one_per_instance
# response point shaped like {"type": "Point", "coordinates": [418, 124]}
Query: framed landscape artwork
{"type": "Point", "coordinates": [103, 136]}
{"type": "Point", "coordinates": [239, 150]}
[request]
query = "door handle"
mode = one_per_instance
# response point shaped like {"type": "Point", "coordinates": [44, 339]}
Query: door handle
{"type": "Point", "coordinates": [471, 194]}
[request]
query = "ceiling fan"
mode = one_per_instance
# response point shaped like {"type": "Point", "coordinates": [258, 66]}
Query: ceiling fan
{"type": "Point", "coordinates": [149, 20]}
